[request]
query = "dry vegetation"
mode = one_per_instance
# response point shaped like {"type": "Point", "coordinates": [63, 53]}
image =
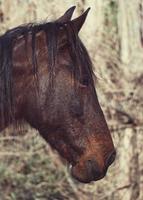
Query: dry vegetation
{"type": "Point", "coordinates": [29, 170]}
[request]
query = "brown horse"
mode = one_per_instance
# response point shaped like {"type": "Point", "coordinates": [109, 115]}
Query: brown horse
{"type": "Point", "coordinates": [46, 79]}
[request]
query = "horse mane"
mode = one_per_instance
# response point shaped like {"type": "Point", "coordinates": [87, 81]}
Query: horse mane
{"type": "Point", "coordinates": [77, 50]}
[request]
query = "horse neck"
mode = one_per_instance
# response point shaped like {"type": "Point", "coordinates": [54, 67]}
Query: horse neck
{"type": "Point", "coordinates": [22, 72]}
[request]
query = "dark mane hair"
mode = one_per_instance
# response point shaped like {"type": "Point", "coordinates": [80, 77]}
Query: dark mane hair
{"type": "Point", "coordinates": [76, 48]}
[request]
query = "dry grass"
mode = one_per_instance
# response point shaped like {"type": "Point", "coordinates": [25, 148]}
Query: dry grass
{"type": "Point", "coordinates": [29, 170]}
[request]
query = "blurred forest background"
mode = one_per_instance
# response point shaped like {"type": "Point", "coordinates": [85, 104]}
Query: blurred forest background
{"type": "Point", "coordinates": [113, 35]}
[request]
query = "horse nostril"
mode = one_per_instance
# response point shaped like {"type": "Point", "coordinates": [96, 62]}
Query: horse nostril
{"type": "Point", "coordinates": [92, 164]}
{"type": "Point", "coordinates": [93, 168]}
{"type": "Point", "coordinates": [111, 158]}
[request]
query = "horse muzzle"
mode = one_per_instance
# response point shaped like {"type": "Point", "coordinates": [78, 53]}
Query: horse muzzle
{"type": "Point", "coordinates": [90, 170]}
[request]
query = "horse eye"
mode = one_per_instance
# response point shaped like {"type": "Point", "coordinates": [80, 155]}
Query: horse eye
{"type": "Point", "coordinates": [85, 81]}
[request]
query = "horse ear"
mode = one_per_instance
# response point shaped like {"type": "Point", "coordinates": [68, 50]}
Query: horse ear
{"type": "Point", "coordinates": [78, 22]}
{"type": "Point", "coordinates": [67, 16]}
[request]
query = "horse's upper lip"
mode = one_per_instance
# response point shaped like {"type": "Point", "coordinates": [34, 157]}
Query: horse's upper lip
{"type": "Point", "coordinates": [70, 167]}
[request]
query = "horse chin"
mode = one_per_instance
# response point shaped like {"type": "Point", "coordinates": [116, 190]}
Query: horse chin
{"type": "Point", "coordinates": [81, 175]}
{"type": "Point", "coordinates": [77, 176]}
